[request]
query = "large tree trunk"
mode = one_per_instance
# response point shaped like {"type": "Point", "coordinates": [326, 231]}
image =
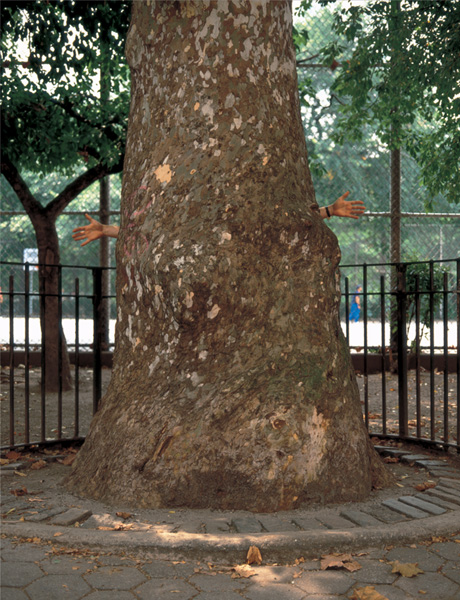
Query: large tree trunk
{"type": "Point", "coordinates": [232, 385]}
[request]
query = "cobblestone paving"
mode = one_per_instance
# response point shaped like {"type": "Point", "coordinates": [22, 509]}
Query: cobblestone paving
{"type": "Point", "coordinates": [36, 571]}
{"type": "Point", "coordinates": [29, 504]}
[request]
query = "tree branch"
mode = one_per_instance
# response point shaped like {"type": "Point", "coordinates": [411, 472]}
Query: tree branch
{"type": "Point", "coordinates": [68, 108]}
{"type": "Point", "coordinates": [12, 175]}
{"type": "Point", "coordinates": [83, 181]}
{"type": "Point", "coordinates": [58, 204]}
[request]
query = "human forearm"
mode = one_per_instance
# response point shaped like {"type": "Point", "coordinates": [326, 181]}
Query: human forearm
{"type": "Point", "coordinates": [110, 230]}
{"type": "Point", "coordinates": [323, 211]}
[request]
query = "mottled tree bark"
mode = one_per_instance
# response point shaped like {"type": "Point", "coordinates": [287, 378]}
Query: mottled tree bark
{"type": "Point", "coordinates": [232, 385]}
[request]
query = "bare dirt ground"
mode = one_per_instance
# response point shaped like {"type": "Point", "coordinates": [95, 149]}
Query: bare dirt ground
{"type": "Point", "coordinates": [443, 400]}
{"type": "Point", "coordinates": [75, 423]}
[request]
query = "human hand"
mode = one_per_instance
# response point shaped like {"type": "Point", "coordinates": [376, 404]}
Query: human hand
{"type": "Point", "coordinates": [90, 232]}
{"type": "Point", "coordinates": [347, 208]}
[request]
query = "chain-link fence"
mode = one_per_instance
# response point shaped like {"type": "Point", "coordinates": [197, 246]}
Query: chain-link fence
{"type": "Point", "coordinates": [363, 168]}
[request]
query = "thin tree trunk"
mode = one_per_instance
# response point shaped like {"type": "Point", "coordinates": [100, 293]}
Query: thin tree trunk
{"type": "Point", "coordinates": [233, 385]}
{"type": "Point", "coordinates": [55, 346]}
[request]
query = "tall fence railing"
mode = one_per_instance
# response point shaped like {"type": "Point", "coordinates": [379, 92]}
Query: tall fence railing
{"type": "Point", "coordinates": [401, 321]}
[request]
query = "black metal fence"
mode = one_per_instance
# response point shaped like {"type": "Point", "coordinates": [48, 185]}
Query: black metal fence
{"type": "Point", "coordinates": [404, 344]}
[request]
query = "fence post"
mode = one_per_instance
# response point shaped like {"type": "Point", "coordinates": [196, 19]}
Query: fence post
{"type": "Point", "coordinates": [11, 316]}
{"type": "Point", "coordinates": [402, 349]}
{"type": "Point", "coordinates": [97, 334]}
{"type": "Point", "coordinates": [365, 340]}
{"type": "Point", "coordinates": [457, 286]}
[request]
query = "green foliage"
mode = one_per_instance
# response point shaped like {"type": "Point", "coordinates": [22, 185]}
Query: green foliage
{"type": "Point", "coordinates": [65, 95]}
{"type": "Point", "coordinates": [421, 279]}
{"type": "Point", "coordinates": [397, 76]}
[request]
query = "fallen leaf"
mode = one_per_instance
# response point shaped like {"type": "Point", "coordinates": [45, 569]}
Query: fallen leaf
{"type": "Point", "coordinates": [124, 515]}
{"type": "Point", "coordinates": [339, 561]}
{"type": "Point", "coordinates": [124, 527]}
{"type": "Point", "coordinates": [20, 474]}
{"type": "Point", "coordinates": [391, 459]}
{"type": "Point", "coordinates": [242, 571]}
{"type": "Point", "coordinates": [68, 460]}
{"type": "Point", "coordinates": [421, 487]}
{"type": "Point", "coordinates": [19, 491]}
{"type": "Point", "coordinates": [297, 575]}
{"type": "Point", "coordinates": [12, 455]}
{"type": "Point", "coordinates": [367, 593]}
{"type": "Point", "coordinates": [405, 569]}
{"type": "Point", "coordinates": [58, 533]}
{"type": "Point", "coordinates": [254, 556]}
{"type": "Point", "coordinates": [4, 461]}
{"type": "Point", "coordinates": [298, 561]}
{"type": "Point", "coordinates": [38, 464]}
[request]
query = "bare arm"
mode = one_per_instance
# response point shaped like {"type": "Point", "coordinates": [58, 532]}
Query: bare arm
{"type": "Point", "coordinates": [343, 208]}
{"type": "Point", "coordinates": [94, 231]}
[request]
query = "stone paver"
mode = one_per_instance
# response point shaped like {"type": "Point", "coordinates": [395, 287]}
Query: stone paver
{"type": "Point", "coordinates": [247, 525]}
{"type": "Point", "coordinates": [109, 595]}
{"type": "Point", "coordinates": [35, 570]}
{"type": "Point", "coordinates": [19, 573]}
{"type": "Point", "coordinates": [360, 518]}
{"type": "Point", "coordinates": [336, 522]}
{"type": "Point", "coordinates": [423, 557]}
{"type": "Point", "coordinates": [330, 582]}
{"type": "Point", "coordinates": [423, 505]}
{"type": "Point", "coordinates": [435, 585]}
{"type": "Point", "coordinates": [374, 572]}
{"type": "Point", "coordinates": [70, 517]}
{"type": "Point", "coordinates": [58, 587]}
{"type": "Point", "coordinates": [81, 574]}
{"type": "Point", "coordinates": [405, 509]}
{"type": "Point", "coordinates": [115, 578]}
{"type": "Point", "coordinates": [165, 589]}
{"type": "Point", "coordinates": [435, 500]}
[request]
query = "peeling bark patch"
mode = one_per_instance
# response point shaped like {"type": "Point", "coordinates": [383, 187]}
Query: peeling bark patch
{"type": "Point", "coordinates": [214, 311]}
{"type": "Point", "coordinates": [163, 174]}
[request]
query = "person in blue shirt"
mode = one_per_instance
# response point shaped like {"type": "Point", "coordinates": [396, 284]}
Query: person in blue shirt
{"type": "Point", "coordinates": [355, 309]}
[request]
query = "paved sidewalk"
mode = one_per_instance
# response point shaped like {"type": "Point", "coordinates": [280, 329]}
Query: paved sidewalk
{"type": "Point", "coordinates": [56, 545]}
{"type": "Point", "coordinates": [36, 571]}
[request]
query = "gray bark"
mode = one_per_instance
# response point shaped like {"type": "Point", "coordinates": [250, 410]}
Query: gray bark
{"type": "Point", "coordinates": [232, 384]}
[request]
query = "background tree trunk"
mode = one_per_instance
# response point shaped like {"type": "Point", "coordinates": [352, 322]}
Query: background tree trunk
{"type": "Point", "coordinates": [232, 384]}
{"type": "Point", "coordinates": [57, 365]}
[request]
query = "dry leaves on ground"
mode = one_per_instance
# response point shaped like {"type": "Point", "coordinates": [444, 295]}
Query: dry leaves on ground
{"type": "Point", "coordinates": [406, 569]}
{"type": "Point", "coordinates": [12, 455]}
{"type": "Point", "coordinates": [124, 515]}
{"type": "Point", "coordinates": [22, 491]}
{"type": "Point", "coordinates": [38, 464]}
{"type": "Point", "coordinates": [367, 593]}
{"type": "Point", "coordinates": [242, 571]}
{"type": "Point", "coordinates": [339, 561]}
{"type": "Point", "coordinates": [68, 460]}
{"type": "Point", "coordinates": [254, 556]}
{"type": "Point", "coordinates": [426, 485]}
